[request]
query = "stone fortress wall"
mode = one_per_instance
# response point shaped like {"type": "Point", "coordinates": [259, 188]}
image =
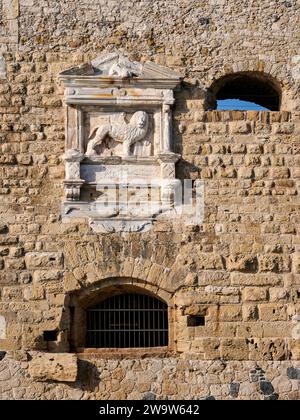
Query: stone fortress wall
{"type": "Point", "coordinates": [240, 269]}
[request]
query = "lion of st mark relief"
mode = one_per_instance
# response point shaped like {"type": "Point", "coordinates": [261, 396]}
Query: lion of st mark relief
{"type": "Point", "coordinates": [117, 129]}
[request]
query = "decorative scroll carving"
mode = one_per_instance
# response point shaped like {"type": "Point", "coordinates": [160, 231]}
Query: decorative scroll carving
{"type": "Point", "coordinates": [120, 226]}
{"type": "Point", "coordinates": [127, 134]}
{"type": "Point", "coordinates": [73, 190]}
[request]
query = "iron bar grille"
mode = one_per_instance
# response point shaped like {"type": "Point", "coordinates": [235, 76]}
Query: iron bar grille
{"type": "Point", "coordinates": [127, 320]}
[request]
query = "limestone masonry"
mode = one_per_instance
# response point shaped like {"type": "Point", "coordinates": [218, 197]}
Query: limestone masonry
{"type": "Point", "coordinates": [90, 90]}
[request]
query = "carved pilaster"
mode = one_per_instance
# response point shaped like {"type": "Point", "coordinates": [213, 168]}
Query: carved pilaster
{"type": "Point", "coordinates": [167, 166]}
{"type": "Point", "coordinates": [73, 182]}
{"type": "Point", "coordinates": [167, 124]}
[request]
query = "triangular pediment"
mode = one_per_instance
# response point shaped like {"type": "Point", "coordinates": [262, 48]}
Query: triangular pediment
{"type": "Point", "coordinates": [116, 66]}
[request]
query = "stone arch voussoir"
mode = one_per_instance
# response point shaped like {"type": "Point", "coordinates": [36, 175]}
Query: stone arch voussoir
{"type": "Point", "coordinates": [149, 273]}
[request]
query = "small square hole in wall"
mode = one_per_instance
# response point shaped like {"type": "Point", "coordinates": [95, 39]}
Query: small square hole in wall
{"type": "Point", "coordinates": [195, 320]}
{"type": "Point", "coordinates": [50, 335]}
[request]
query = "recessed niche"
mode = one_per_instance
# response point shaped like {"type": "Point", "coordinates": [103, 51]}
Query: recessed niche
{"type": "Point", "coordinates": [195, 320]}
{"type": "Point", "coordinates": [50, 335]}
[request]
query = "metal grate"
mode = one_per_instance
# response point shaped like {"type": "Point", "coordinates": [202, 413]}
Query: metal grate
{"type": "Point", "coordinates": [127, 320]}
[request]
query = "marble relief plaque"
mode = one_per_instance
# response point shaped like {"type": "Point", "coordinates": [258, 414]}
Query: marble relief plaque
{"type": "Point", "coordinates": [119, 133]}
{"type": "Point", "coordinates": [119, 129]}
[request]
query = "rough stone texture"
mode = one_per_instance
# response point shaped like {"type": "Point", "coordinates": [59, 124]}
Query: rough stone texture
{"type": "Point", "coordinates": [155, 378]}
{"type": "Point", "coordinates": [241, 266]}
{"type": "Point", "coordinates": [60, 367]}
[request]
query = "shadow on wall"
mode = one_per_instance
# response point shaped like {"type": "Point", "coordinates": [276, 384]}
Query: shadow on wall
{"type": "Point", "coordinates": [88, 376]}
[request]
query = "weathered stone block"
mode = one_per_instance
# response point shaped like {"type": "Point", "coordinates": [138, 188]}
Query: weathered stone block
{"type": "Point", "coordinates": [230, 313]}
{"type": "Point", "coordinates": [283, 128]}
{"type": "Point", "coordinates": [216, 128]}
{"type": "Point", "coordinates": [295, 349]}
{"type": "Point", "coordinates": [266, 387]}
{"type": "Point", "coordinates": [196, 128]}
{"type": "Point", "coordinates": [34, 293]}
{"type": "Point", "coordinates": [240, 127]}
{"type": "Point", "coordinates": [250, 312]}
{"type": "Point", "coordinates": [227, 172]}
{"type": "Point", "coordinates": [14, 263]}
{"type": "Point", "coordinates": [60, 367]}
{"type": "Point", "coordinates": [79, 273]}
{"type": "Point", "coordinates": [8, 278]}
{"type": "Point", "coordinates": [261, 279]}
{"type": "Point", "coordinates": [218, 278]}
{"type": "Point", "coordinates": [249, 329]}
{"type": "Point", "coordinates": [191, 279]}
{"type": "Point", "coordinates": [234, 348]}
{"type": "Point", "coordinates": [279, 173]}
{"type": "Point", "coordinates": [234, 388]}
{"type": "Point", "coordinates": [210, 261]}
{"type": "Point", "coordinates": [12, 293]}
{"type": "Point", "coordinates": [46, 275]}
{"type": "Point", "coordinates": [245, 173]}
{"type": "Point", "coordinates": [43, 260]}
{"type": "Point", "coordinates": [272, 312]}
{"type": "Point", "coordinates": [275, 263]}
{"type": "Point", "coordinates": [296, 263]}
{"type": "Point", "coordinates": [211, 348]}
{"type": "Point", "coordinates": [267, 349]}
{"type": "Point", "coordinates": [278, 294]}
{"type": "Point", "coordinates": [244, 263]}
{"type": "Point", "coordinates": [277, 329]}
{"type": "Point", "coordinates": [254, 294]}
{"type": "Point", "coordinates": [70, 283]}
{"type": "Point", "coordinates": [237, 148]}
{"type": "Point", "coordinates": [293, 373]}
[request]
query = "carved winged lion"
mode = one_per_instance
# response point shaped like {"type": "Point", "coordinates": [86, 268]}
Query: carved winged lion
{"type": "Point", "coordinates": [122, 132]}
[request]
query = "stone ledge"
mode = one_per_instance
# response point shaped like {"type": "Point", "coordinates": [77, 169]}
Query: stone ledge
{"type": "Point", "coordinates": [60, 367]}
{"type": "Point", "coordinates": [126, 353]}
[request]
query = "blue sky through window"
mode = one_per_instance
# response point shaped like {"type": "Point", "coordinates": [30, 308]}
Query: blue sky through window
{"type": "Point", "coordinates": [237, 105]}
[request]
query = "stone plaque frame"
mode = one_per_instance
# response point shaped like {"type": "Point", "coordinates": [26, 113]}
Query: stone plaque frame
{"type": "Point", "coordinates": [118, 133]}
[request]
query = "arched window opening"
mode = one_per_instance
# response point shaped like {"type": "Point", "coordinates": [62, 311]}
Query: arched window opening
{"type": "Point", "coordinates": [127, 320]}
{"type": "Point", "coordinates": [245, 91]}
